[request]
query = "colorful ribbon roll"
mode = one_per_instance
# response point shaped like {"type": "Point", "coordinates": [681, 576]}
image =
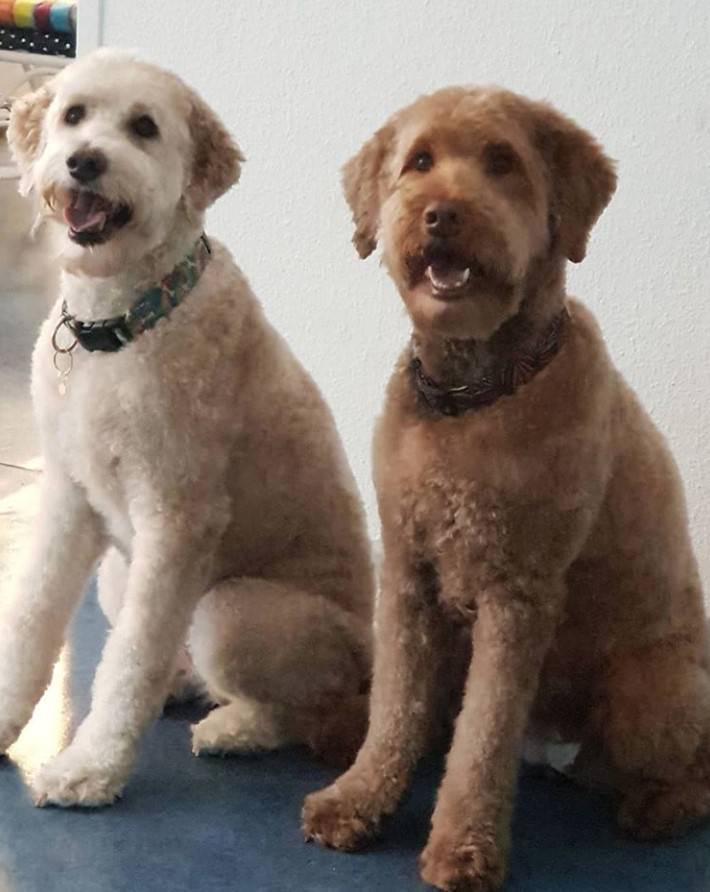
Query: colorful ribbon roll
{"type": "Point", "coordinates": [42, 16]}
{"type": "Point", "coordinates": [62, 17]}
{"type": "Point", "coordinates": [6, 15]}
{"type": "Point", "coordinates": [23, 14]}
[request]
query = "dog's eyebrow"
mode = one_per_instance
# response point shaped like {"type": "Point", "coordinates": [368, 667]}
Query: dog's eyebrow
{"type": "Point", "coordinates": [421, 144]}
{"type": "Point", "coordinates": [140, 108]}
{"type": "Point", "coordinates": [76, 99]}
{"type": "Point", "coordinates": [410, 134]}
{"type": "Point", "coordinates": [409, 142]}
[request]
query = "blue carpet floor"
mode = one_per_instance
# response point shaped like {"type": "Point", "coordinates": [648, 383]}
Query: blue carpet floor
{"type": "Point", "coordinates": [232, 824]}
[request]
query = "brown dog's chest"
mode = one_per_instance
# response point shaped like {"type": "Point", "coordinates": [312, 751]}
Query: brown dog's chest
{"type": "Point", "coordinates": [486, 505]}
{"type": "Point", "coordinates": [447, 504]}
{"type": "Point", "coordinates": [460, 525]}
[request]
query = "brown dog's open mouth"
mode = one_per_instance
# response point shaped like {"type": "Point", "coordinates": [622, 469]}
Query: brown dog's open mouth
{"type": "Point", "coordinates": [447, 279]}
{"type": "Point", "coordinates": [448, 275]}
{"type": "Point", "coordinates": [92, 219]}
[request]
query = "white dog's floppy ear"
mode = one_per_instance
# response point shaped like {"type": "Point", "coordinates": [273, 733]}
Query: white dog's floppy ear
{"type": "Point", "coordinates": [583, 177]}
{"type": "Point", "coordinates": [361, 184]}
{"type": "Point", "coordinates": [216, 158]}
{"type": "Point", "coordinates": [25, 130]}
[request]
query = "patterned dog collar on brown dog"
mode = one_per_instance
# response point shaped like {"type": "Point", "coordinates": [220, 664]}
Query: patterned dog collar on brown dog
{"type": "Point", "coordinates": [489, 388]}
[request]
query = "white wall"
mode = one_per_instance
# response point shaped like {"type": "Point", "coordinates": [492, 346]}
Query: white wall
{"type": "Point", "coordinates": [303, 82]}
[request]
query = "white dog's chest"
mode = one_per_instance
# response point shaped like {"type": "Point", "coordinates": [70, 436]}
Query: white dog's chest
{"type": "Point", "coordinates": [88, 429]}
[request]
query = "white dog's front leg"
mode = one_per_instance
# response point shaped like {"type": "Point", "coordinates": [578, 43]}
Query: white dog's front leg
{"type": "Point", "coordinates": [66, 543]}
{"type": "Point", "coordinates": [165, 579]}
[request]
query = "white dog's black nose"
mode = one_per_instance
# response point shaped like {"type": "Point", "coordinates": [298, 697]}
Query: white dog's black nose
{"type": "Point", "coordinates": [87, 165]}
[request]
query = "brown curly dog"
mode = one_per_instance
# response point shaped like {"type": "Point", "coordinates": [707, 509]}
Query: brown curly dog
{"type": "Point", "coordinates": [531, 513]}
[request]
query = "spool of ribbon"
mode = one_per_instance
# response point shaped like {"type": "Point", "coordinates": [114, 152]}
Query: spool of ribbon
{"type": "Point", "coordinates": [23, 14]}
{"type": "Point", "coordinates": [62, 17]}
{"type": "Point", "coordinates": [42, 15]}
{"type": "Point", "coordinates": [6, 12]}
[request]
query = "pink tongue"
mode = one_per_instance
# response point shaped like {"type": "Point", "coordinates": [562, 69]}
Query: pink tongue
{"type": "Point", "coordinates": [87, 211]}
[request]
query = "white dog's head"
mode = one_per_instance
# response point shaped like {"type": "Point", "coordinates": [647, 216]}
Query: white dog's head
{"type": "Point", "coordinates": [117, 150]}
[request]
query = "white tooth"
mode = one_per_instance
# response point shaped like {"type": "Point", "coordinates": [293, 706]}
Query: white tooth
{"type": "Point", "coordinates": [448, 282]}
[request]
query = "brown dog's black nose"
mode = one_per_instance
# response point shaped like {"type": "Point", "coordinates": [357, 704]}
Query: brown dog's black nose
{"type": "Point", "coordinates": [87, 165]}
{"type": "Point", "coordinates": [442, 219]}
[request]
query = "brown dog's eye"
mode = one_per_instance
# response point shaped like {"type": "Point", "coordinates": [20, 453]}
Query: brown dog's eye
{"type": "Point", "coordinates": [500, 159]}
{"type": "Point", "coordinates": [421, 161]}
{"type": "Point", "coordinates": [145, 127]}
{"type": "Point", "coordinates": [74, 114]}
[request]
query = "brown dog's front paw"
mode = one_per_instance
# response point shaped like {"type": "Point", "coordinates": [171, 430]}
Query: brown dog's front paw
{"type": "Point", "coordinates": [468, 865]}
{"type": "Point", "coordinates": [333, 819]}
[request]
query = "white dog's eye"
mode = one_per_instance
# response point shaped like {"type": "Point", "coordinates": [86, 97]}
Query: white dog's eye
{"type": "Point", "coordinates": [144, 126]}
{"type": "Point", "coordinates": [74, 114]}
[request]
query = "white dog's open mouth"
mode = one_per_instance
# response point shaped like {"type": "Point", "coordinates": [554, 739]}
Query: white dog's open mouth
{"type": "Point", "coordinates": [93, 219]}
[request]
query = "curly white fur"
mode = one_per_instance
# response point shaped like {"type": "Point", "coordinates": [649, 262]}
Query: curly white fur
{"type": "Point", "coordinates": [200, 461]}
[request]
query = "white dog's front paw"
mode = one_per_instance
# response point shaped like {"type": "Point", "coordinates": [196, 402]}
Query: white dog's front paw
{"type": "Point", "coordinates": [75, 778]}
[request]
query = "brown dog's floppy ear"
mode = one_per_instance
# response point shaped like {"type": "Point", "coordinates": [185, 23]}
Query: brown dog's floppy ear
{"type": "Point", "coordinates": [24, 133]}
{"type": "Point", "coordinates": [583, 178]}
{"type": "Point", "coordinates": [216, 158]}
{"type": "Point", "coordinates": [361, 184]}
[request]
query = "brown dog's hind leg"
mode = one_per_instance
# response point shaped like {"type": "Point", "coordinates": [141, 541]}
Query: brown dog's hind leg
{"type": "Point", "coordinates": [654, 721]}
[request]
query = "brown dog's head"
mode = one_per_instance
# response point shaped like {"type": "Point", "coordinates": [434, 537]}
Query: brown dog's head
{"type": "Point", "coordinates": [468, 188]}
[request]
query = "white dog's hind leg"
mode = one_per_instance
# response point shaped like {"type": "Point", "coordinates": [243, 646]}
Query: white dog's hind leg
{"type": "Point", "coordinates": [241, 726]}
{"type": "Point", "coordinates": [274, 654]}
{"type": "Point", "coordinates": [166, 576]}
{"type": "Point", "coordinates": [67, 542]}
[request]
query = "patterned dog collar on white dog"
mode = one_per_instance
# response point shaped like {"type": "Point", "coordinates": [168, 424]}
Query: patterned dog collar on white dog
{"type": "Point", "coordinates": [157, 302]}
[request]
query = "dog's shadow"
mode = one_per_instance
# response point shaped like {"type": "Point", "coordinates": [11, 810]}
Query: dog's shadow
{"type": "Point", "coordinates": [564, 840]}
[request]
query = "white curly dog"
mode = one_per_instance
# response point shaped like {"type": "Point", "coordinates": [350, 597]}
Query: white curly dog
{"type": "Point", "coordinates": [183, 444]}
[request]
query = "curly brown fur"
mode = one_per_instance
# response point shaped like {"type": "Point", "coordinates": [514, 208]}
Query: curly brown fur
{"type": "Point", "coordinates": [550, 526]}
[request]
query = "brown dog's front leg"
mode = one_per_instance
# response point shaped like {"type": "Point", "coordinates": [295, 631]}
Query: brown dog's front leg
{"type": "Point", "coordinates": [410, 645]}
{"type": "Point", "coordinates": [468, 845]}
